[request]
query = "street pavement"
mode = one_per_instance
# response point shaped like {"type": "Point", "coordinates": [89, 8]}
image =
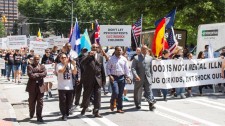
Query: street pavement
{"type": "Point", "coordinates": [206, 110]}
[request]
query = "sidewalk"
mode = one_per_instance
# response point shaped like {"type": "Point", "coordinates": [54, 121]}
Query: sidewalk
{"type": "Point", "coordinates": [7, 116]}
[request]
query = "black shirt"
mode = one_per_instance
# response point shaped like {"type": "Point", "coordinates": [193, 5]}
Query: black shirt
{"type": "Point", "coordinates": [30, 57]}
{"type": "Point", "coordinates": [9, 58]}
{"type": "Point", "coordinates": [47, 60]}
{"type": "Point", "coordinates": [17, 59]}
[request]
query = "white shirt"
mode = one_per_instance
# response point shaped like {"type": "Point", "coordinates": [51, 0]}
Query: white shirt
{"type": "Point", "coordinates": [65, 81]}
{"type": "Point", "coordinates": [73, 54]}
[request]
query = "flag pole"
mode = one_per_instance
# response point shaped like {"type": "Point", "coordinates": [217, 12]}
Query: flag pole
{"type": "Point", "coordinates": [141, 29]}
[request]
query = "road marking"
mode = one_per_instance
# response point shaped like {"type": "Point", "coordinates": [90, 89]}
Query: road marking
{"type": "Point", "coordinates": [212, 102]}
{"type": "Point", "coordinates": [86, 119]}
{"type": "Point", "coordinates": [206, 104]}
{"type": "Point", "coordinates": [208, 123]}
{"type": "Point", "coordinates": [107, 121]}
{"type": "Point", "coordinates": [173, 118]}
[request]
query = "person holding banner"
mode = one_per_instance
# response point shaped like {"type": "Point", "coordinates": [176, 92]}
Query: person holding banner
{"type": "Point", "coordinates": [178, 54]}
{"type": "Point", "coordinates": [47, 59]}
{"type": "Point", "coordinates": [118, 70]}
{"type": "Point", "coordinates": [35, 87]}
{"type": "Point", "coordinates": [65, 69]}
{"type": "Point", "coordinates": [165, 56]}
{"type": "Point", "coordinates": [141, 69]}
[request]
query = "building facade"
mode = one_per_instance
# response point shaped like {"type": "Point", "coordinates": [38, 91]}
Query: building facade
{"type": "Point", "coordinates": [9, 9]}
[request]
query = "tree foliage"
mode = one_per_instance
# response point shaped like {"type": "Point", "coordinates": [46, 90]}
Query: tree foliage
{"type": "Point", "coordinates": [2, 30]}
{"type": "Point", "coordinates": [190, 13]}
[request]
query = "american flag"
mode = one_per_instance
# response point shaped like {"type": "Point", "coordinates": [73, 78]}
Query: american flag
{"type": "Point", "coordinates": [137, 27]}
{"type": "Point", "coordinates": [97, 32]}
{"type": "Point", "coordinates": [172, 42]}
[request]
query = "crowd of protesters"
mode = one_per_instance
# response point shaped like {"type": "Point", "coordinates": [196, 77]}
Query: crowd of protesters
{"type": "Point", "coordinates": [87, 72]}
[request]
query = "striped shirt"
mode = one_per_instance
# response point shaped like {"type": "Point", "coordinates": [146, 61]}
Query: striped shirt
{"type": "Point", "coordinates": [117, 66]}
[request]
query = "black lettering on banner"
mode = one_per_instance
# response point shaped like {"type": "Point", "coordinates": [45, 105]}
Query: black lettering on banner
{"type": "Point", "coordinates": [216, 76]}
{"type": "Point", "coordinates": [163, 80]}
{"type": "Point", "coordinates": [155, 80]}
{"type": "Point", "coordinates": [154, 68]}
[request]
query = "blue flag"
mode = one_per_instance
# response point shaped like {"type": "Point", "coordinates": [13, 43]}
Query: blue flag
{"type": "Point", "coordinates": [75, 38]}
{"type": "Point", "coordinates": [169, 19]}
{"type": "Point", "coordinates": [85, 41]}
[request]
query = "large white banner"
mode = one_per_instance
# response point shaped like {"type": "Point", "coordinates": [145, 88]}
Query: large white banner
{"type": "Point", "coordinates": [115, 35]}
{"type": "Point", "coordinates": [51, 77]}
{"type": "Point", "coordinates": [2, 63]}
{"type": "Point", "coordinates": [38, 47]}
{"type": "Point", "coordinates": [3, 43]}
{"type": "Point", "coordinates": [16, 42]}
{"type": "Point", "coordinates": [60, 42]}
{"type": "Point", "coordinates": [186, 73]}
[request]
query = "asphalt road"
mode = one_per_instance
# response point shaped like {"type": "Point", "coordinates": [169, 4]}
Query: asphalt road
{"type": "Point", "coordinates": [206, 110]}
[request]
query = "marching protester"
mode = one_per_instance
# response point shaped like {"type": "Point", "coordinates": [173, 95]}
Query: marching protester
{"type": "Point", "coordinates": [30, 57]}
{"type": "Point", "coordinates": [17, 65]}
{"type": "Point", "coordinates": [117, 69]}
{"type": "Point", "coordinates": [92, 78]}
{"type": "Point", "coordinates": [141, 69]}
{"type": "Point", "coordinates": [54, 52]}
{"type": "Point", "coordinates": [65, 70]}
{"type": "Point", "coordinates": [47, 59]}
{"type": "Point", "coordinates": [178, 55]}
{"type": "Point", "coordinates": [24, 62]}
{"type": "Point", "coordinates": [3, 71]}
{"type": "Point", "coordinates": [35, 87]}
{"type": "Point", "coordinates": [70, 52]}
{"type": "Point", "coordinates": [10, 62]}
{"type": "Point", "coordinates": [222, 55]}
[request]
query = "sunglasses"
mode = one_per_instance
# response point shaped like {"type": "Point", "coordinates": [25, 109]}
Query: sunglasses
{"type": "Point", "coordinates": [63, 57]}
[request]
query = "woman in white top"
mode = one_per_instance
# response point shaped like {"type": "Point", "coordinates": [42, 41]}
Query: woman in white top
{"type": "Point", "coordinates": [65, 69]}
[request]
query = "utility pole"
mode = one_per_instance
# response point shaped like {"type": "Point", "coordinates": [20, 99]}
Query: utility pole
{"type": "Point", "coordinates": [71, 13]}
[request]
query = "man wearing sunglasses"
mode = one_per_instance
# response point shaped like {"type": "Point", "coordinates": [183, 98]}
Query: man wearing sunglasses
{"type": "Point", "coordinates": [92, 78]}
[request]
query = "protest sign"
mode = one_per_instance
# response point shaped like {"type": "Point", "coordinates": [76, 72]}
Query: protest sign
{"type": "Point", "coordinates": [186, 73]}
{"type": "Point", "coordinates": [38, 47]}
{"type": "Point", "coordinates": [16, 42]}
{"type": "Point", "coordinates": [60, 42]}
{"type": "Point", "coordinates": [51, 77]}
{"type": "Point", "coordinates": [3, 43]}
{"type": "Point", "coordinates": [115, 35]}
{"type": "Point", "coordinates": [2, 63]}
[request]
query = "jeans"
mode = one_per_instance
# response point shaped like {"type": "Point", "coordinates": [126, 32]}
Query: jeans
{"type": "Point", "coordinates": [164, 92]}
{"type": "Point", "coordinates": [117, 91]}
{"type": "Point", "coordinates": [179, 91]}
{"type": "Point", "coordinates": [24, 68]}
{"type": "Point", "coordinates": [10, 68]}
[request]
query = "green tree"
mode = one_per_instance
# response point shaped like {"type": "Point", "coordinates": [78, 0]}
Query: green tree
{"type": "Point", "coordinates": [2, 30]}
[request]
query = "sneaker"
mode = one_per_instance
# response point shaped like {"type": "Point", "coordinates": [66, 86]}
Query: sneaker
{"type": "Point", "coordinates": [19, 82]}
{"type": "Point", "coordinates": [64, 117]}
{"type": "Point", "coordinates": [125, 98]}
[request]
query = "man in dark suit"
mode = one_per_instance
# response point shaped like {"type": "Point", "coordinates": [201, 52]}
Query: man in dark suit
{"type": "Point", "coordinates": [142, 72]}
{"type": "Point", "coordinates": [35, 87]}
{"type": "Point", "coordinates": [92, 78]}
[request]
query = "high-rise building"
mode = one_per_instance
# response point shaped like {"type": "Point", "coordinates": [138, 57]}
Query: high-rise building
{"type": "Point", "coordinates": [9, 10]}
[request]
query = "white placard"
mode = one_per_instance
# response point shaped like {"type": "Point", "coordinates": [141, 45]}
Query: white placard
{"type": "Point", "coordinates": [115, 35]}
{"type": "Point", "coordinates": [3, 43]}
{"type": "Point", "coordinates": [2, 63]}
{"type": "Point", "coordinates": [186, 73]}
{"type": "Point", "coordinates": [51, 77]}
{"type": "Point", "coordinates": [16, 42]}
{"type": "Point", "coordinates": [60, 42]}
{"type": "Point", "coordinates": [38, 47]}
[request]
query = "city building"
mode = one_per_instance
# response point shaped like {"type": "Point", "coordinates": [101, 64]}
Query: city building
{"type": "Point", "coordinates": [9, 10]}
